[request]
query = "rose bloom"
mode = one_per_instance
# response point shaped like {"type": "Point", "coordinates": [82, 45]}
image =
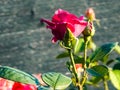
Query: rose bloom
{"type": "Point", "coordinates": [6, 84]}
{"type": "Point", "coordinates": [10, 85]}
{"type": "Point", "coordinates": [20, 86]}
{"type": "Point", "coordinates": [63, 20]}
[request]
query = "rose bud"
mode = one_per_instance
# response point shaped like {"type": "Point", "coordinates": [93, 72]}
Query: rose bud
{"type": "Point", "coordinates": [90, 14]}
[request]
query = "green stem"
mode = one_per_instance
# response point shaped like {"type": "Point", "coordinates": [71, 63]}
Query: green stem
{"type": "Point", "coordinates": [85, 54]}
{"type": "Point", "coordinates": [81, 87]}
{"type": "Point", "coordinates": [105, 84]}
{"type": "Point", "coordinates": [74, 70]}
{"type": "Point", "coordinates": [84, 64]}
{"type": "Point", "coordinates": [73, 63]}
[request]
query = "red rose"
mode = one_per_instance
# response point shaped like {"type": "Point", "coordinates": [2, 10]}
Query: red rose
{"type": "Point", "coordinates": [20, 86]}
{"type": "Point", "coordinates": [6, 84]}
{"type": "Point", "coordinates": [62, 20]}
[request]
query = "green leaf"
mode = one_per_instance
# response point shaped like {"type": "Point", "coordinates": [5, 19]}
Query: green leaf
{"type": "Point", "coordinates": [91, 45]}
{"type": "Point", "coordinates": [105, 58]}
{"type": "Point", "coordinates": [78, 59]}
{"type": "Point", "coordinates": [98, 71]}
{"type": "Point", "coordinates": [17, 75]}
{"type": "Point", "coordinates": [116, 66]}
{"type": "Point", "coordinates": [44, 88]}
{"type": "Point", "coordinates": [93, 73]}
{"type": "Point", "coordinates": [94, 81]}
{"type": "Point", "coordinates": [110, 62]}
{"type": "Point", "coordinates": [101, 52]}
{"type": "Point", "coordinates": [117, 49]}
{"type": "Point", "coordinates": [118, 59]}
{"type": "Point", "coordinates": [63, 55]}
{"type": "Point", "coordinates": [56, 80]}
{"type": "Point", "coordinates": [115, 78]}
{"type": "Point", "coordinates": [68, 65]}
{"type": "Point", "coordinates": [79, 45]}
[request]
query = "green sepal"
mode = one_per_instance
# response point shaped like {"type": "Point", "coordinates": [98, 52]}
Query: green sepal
{"type": "Point", "coordinates": [68, 38]}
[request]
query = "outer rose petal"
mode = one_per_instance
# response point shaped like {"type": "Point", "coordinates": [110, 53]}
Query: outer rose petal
{"type": "Point", "coordinates": [59, 31]}
{"type": "Point", "coordinates": [54, 40]}
{"type": "Point", "coordinates": [62, 16]}
{"type": "Point", "coordinates": [59, 16]}
{"type": "Point", "coordinates": [20, 86]}
{"type": "Point", "coordinates": [81, 18]}
{"type": "Point", "coordinates": [47, 21]}
{"type": "Point", "coordinates": [79, 28]}
{"type": "Point", "coordinates": [2, 82]}
{"type": "Point", "coordinates": [5, 84]}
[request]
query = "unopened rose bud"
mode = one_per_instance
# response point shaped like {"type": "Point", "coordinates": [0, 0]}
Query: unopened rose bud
{"type": "Point", "coordinates": [79, 69]}
{"type": "Point", "coordinates": [89, 30]}
{"type": "Point", "coordinates": [90, 14]}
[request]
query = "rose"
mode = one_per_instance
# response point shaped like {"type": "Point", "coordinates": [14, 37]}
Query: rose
{"type": "Point", "coordinates": [63, 20]}
{"type": "Point", "coordinates": [6, 84]}
{"type": "Point", "coordinates": [20, 86]}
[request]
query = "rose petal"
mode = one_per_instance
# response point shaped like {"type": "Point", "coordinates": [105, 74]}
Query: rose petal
{"type": "Point", "coordinates": [54, 40]}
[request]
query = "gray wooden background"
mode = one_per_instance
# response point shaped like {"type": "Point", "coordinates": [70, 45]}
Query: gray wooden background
{"type": "Point", "coordinates": [26, 45]}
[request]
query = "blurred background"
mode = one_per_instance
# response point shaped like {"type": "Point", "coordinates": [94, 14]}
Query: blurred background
{"type": "Point", "coordinates": [26, 45]}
